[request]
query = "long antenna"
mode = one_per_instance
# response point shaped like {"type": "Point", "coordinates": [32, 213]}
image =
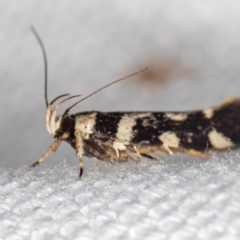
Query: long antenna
{"type": "Point", "coordinates": [45, 63]}
{"type": "Point", "coordinates": [100, 89]}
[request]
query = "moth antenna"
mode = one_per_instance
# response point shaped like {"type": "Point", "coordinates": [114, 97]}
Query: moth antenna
{"type": "Point", "coordinates": [60, 96]}
{"type": "Point", "coordinates": [100, 89]}
{"type": "Point", "coordinates": [39, 40]}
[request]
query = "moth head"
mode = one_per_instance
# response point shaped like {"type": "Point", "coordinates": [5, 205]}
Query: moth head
{"type": "Point", "coordinates": [59, 126]}
{"type": "Point", "coordinates": [54, 123]}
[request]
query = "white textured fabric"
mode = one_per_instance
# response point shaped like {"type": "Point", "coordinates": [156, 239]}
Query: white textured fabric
{"type": "Point", "coordinates": [89, 44]}
{"type": "Point", "coordinates": [149, 200]}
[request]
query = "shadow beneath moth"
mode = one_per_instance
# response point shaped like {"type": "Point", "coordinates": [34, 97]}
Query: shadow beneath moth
{"type": "Point", "coordinates": [122, 136]}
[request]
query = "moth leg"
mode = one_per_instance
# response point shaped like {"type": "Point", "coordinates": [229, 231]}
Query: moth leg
{"type": "Point", "coordinates": [148, 156]}
{"type": "Point", "coordinates": [79, 151]}
{"type": "Point", "coordinates": [117, 153]}
{"type": "Point", "coordinates": [53, 148]}
{"type": "Point", "coordinates": [167, 149]}
{"type": "Point", "coordinates": [133, 153]}
{"type": "Point", "coordinates": [81, 167]}
{"type": "Point", "coordinates": [137, 152]}
{"type": "Point", "coordinates": [196, 153]}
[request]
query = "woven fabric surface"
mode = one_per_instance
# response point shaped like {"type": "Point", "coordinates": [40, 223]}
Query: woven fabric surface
{"type": "Point", "coordinates": [148, 200]}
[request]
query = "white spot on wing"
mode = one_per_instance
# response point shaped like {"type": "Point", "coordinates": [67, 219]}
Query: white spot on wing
{"type": "Point", "coordinates": [126, 124]}
{"type": "Point", "coordinates": [208, 113]}
{"type": "Point", "coordinates": [219, 141]}
{"type": "Point", "coordinates": [176, 116]}
{"type": "Point", "coordinates": [170, 139]}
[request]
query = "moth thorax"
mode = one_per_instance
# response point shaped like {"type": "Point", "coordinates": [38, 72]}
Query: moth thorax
{"type": "Point", "coordinates": [66, 128]}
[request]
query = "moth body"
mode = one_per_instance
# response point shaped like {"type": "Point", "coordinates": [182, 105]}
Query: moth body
{"type": "Point", "coordinates": [117, 135]}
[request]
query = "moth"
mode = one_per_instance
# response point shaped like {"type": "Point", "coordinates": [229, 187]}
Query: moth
{"type": "Point", "coordinates": [117, 136]}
